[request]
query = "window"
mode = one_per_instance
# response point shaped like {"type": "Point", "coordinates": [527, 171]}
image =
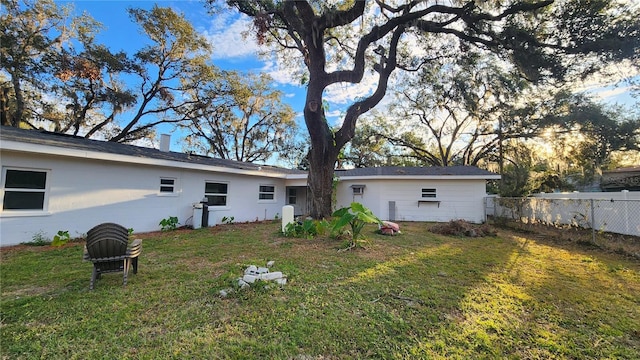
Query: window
{"type": "Point", "coordinates": [24, 189]}
{"type": "Point", "coordinates": [167, 185]}
{"type": "Point", "coordinates": [267, 192]}
{"type": "Point", "coordinates": [358, 189]}
{"type": "Point", "coordinates": [293, 194]}
{"type": "Point", "coordinates": [428, 193]}
{"type": "Point", "coordinates": [216, 193]}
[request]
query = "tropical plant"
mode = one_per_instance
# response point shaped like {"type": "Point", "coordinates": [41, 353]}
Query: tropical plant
{"type": "Point", "coordinates": [356, 216]}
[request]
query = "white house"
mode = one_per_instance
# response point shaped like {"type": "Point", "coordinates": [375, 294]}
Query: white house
{"type": "Point", "coordinates": [53, 182]}
{"type": "Point", "coordinates": [417, 193]}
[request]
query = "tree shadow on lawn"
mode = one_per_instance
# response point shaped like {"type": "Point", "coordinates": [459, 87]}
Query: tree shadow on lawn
{"type": "Point", "coordinates": [506, 296]}
{"type": "Point", "coordinates": [417, 295]}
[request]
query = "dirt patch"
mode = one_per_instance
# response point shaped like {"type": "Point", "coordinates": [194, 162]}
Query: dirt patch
{"type": "Point", "coordinates": [463, 228]}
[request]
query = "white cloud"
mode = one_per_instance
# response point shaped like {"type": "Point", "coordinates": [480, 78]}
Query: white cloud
{"type": "Point", "coordinates": [607, 93]}
{"type": "Point", "coordinates": [280, 73]}
{"type": "Point", "coordinates": [231, 37]}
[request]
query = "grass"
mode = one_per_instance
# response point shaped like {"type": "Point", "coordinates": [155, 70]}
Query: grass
{"type": "Point", "coordinates": [417, 295]}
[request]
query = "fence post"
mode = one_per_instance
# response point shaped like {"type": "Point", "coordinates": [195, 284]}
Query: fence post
{"type": "Point", "coordinates": [593, 223]}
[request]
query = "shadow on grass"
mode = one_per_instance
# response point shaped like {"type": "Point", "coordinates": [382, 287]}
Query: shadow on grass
{"type": "Point", "coordinates": [417, 295]}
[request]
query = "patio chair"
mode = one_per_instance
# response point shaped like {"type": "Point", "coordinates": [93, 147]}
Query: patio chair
{"type": "Point", "coordinates": [109, 250]}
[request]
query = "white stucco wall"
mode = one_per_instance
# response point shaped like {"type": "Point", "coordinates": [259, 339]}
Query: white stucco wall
{"type": "Point", "coordinates": [458, 198]}
{"type": "Point", "coordinates": [84, 192]}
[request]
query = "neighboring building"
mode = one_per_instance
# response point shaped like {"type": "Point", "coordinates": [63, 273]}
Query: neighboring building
{"type": "Point", "coordinates": [53, 182]}
{"type": "Point", "coordinates": [621, 179]}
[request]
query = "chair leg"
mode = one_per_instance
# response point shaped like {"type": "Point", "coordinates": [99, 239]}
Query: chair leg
{"type": "Point", "coordinates": [94, 275]}
{"type": "Point", "coordinates": [125, 270]}
{"type": "Point", "coordinates": [134, 264]}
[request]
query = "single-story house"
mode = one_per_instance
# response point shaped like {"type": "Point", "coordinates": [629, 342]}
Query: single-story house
{"type": "Point", "coordinates": [55, 182]}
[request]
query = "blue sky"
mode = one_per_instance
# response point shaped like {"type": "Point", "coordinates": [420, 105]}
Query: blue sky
{"type": "Point", "coordinates": [233, 52]}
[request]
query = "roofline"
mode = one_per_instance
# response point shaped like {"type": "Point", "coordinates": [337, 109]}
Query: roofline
{"type": "Point", "coordinates": [421, 177]}
{"type": "Point", "coordinates": [17, 146]}
{"type": "Point", "coordinates": [35, 148]}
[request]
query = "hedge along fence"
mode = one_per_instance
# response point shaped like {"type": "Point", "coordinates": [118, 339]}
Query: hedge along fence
{"type": "Point", "coordinates": [608, 215]}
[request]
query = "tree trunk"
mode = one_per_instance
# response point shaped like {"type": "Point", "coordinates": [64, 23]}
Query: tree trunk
{"type": "Point", "coordinates": [320, 183]}
{"type": "Point", "coordinates": [322, 155]}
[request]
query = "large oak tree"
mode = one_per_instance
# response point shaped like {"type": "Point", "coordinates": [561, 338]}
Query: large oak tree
{"type": "Point", "coordinates": [341, 41]}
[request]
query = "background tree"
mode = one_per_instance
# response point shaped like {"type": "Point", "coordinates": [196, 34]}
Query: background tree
{"type": "Point", "coordinates": [32, 36]}
{"type": "Point", "coordinates": [368, 148]}
{"type": "Point", "coordinates": [175, 63]}
{"type": "Point", "coordinates": [240, 117]}
{"type": "Point", "coordinates": [338, 42]}
{"type": "Point", "coordinates": [90, 90]}
{"type": "Point", "coordinates": [449, 113]}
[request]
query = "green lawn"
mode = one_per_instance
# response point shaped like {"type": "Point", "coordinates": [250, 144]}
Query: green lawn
{"type": "Point", "coordinates": [417, 295]}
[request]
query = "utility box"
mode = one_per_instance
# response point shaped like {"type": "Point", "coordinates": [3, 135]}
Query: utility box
{"type": "Point", "coordinates": [287, 216]}
{"type": "Point", "coordinates": [197, 215]}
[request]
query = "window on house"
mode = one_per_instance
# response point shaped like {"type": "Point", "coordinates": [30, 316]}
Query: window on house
{"type": "Point", "coordinates": [428, 193]}
{"type": "Point", "coordinates": [358, 189]}
{"type": "Point", "coordinates": [216, 193]}
{"type": "Point", "coordinates": [24, 189]}
{"type": "Point", "coordinates": [167, 185]}
{"type": "Point", "coordinates": [267, 192]}
{"type": "Point", "coordinates": [293, 195]}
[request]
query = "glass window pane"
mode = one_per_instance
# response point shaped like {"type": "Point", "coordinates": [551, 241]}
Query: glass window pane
{"type": "Point", "coordinates": [166, 189]}
{"type": "Point", "coordinates": [23, 200]}
{"type": "Point", "coordinates": [216, 200]}
{"type": "Point", "coordinates": [215, 188]}
{"type": "Point", "coordinates": [21, 179]}
{"type": "Point", "coordinates": [167, 181]}
{"type": "Point", "coordinates": [266, 188]}
{"type": "Point", "coordinates": [266, 196]}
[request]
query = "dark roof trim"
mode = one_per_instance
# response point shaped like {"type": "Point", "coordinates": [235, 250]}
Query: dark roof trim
{"type": "Point", "coordinates": [46, 138]}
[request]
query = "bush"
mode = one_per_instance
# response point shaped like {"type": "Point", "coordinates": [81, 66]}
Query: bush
{"type": "Point", "coordinates": [306, 229]}
{"type": "Point", "coordinates": [61, 238]}
{"type": "Point", "coordinates": [170, 223]}
{"type": "Point", "coordinates": [38, 239]}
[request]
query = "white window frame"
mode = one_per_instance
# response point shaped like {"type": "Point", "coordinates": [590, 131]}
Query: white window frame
{"type": "Point", "coordinates": [225, 195]}
{"type": "Point", "coordinates": [262, 191]}
{"type": "Point", "coordinates": [173, 186]}
{"type": "Point", "coordinates": [25, 212]}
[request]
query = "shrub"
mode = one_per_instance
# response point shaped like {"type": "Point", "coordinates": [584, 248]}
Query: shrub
{"type": "Point", "coordinates": [38, 239]}
{"type": "Point", "coordinates": [306, 229]}
{"type": "Point", "coordinates": [170, 223]}
{"type": "Point", "coordinates": [61, 238]}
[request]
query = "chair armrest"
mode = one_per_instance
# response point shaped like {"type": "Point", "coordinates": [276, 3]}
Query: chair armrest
{"type": "Point", "coordinates": [135, 248]}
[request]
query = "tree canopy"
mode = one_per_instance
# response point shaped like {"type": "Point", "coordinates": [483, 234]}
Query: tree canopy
{"type": "Point", "coordinates": [54, 75]}
{"type": "Point", "coordinates": [342, 41]}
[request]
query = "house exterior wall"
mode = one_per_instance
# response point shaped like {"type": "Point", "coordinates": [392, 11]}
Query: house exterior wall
{"type": "Point", "coordinates": [455, 198]}
{"type": "Point", "coordinates": [85, 192]}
